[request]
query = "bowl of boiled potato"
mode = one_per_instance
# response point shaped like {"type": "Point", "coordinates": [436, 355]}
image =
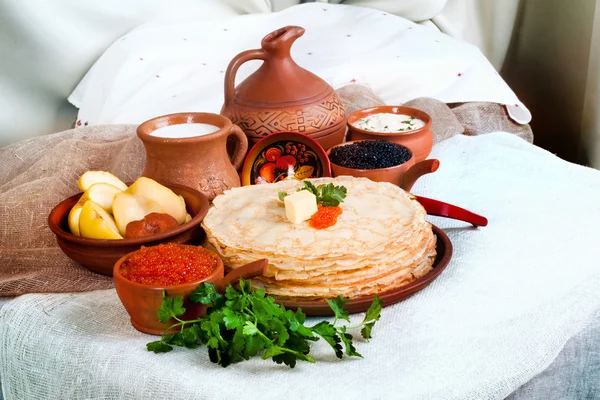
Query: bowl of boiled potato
{"type": "Point", "coordinates": [111, 218]}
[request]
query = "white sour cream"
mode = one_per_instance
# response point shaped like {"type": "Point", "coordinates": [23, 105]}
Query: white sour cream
{"type": "Point", "coordinates": [389, 123]}
{"type": "Point", "coordinates": [184, 130]}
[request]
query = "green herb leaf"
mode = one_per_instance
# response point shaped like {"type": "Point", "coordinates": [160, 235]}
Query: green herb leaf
{"type": "Point", "coordinates": [374, 311]}
{"type": "Point", "coordinates": [337, 305]}
{"type": "Point", "coordinates": [372, 315]}
{"type": "Point", "coordinates": [233, 319]}
{"type": "Point", "coordinates": [254, 345]}
{"type": "Point", "coordinates": [327, 195]}
{"type": "Point", "coordinates": [296, 321]}
{"type": "Point", "coordinates": [330, 335]}
{"type": "Point", "coordinates": [289, 357]}
{"type": "Point", "coordinates": [250, 329]}
{"type": "Point", "coordinates": [187, 337]}
{"type": "Point", "coordinates": [365, 332]}
{"type": "Point", "coordinates": [244, 323]}
{"type": "Point", "coordinates": [206, 293]}
{"type": "Point", "coordinates": [170, 308]}
{"type": "Point", "coordinates": [332, 195]}
{"type": "Point", "coordinates": [272, 351]}
{"type": "Point", "coordinates": [245, 286]}
{"type": "Point", "coordinates": [347, 340]}
{"type": "Point", "coordinates": [311, 188]}
{"type": "Point", "coordinates": [159, 347]}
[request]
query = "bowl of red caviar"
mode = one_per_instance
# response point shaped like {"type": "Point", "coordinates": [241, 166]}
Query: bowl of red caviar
{"type": "Point", "coordinates": [141, 278]}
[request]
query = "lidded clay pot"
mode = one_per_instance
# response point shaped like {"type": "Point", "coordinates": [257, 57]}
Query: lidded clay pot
{"type": "Point", "coordinates": [281, 95]}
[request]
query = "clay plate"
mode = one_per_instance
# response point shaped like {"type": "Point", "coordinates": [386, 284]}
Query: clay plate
{"type": "Point", "coordinates": [268, 160]}
{"type": "Point", "coordinates": [320, 308]}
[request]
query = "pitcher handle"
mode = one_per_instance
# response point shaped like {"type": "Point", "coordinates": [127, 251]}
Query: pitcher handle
{"type": "Point", "coordinates": [416, 171]}
{"type": "Point", "coordinates": [241, 147]}
{"type": "Point", "coordinates": [234, 65]}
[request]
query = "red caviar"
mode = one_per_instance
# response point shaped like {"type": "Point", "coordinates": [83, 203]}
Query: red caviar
{"type": "Point", "coordinates": [325, 217]}
{"type": "Point", "coordinates": [168, 265]}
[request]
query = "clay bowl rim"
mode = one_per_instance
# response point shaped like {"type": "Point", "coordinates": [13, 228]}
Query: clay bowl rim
{"type": "Point", "coordinates": [69, 237]}
{"type": "Point", "coordinates": [219, 270]}
{"type": "Point", "coordinates": [412, 157]}
{"type": "Point", "coordinates": [189, 116]}
{"type": "Point", "coordinates": [415, 112]}
{"type": "Point", "coordinates": [327, 173]}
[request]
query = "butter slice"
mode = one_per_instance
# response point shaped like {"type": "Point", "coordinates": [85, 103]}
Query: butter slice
{"type": "Point", "coordinates": [300, 206]}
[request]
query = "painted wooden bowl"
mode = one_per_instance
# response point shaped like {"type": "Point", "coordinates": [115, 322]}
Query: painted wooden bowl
{"type": "Point", "coordinates": [273, 157]}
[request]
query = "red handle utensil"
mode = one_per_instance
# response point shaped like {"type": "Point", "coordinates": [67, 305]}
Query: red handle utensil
{"type": "Point", "coordinates": [441, 209]}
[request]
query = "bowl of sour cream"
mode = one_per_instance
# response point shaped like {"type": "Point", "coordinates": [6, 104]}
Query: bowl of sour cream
{"type": "Point", "coordinates": [403, 125]}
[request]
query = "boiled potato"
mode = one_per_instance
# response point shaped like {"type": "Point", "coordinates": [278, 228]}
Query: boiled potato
{"type": "Point", "coordinates": [92, 177]}
{"type": "Point", "coordinates": [96, 223]}
{"type": "Point", "coordinates": [102, 194]}
{"type": "Point", "coordinates": [128, 207]}
{"type": "Point", "coordinates": [103, 190]}
{"type": "Point", "coordinates": [74, 215]}
{"type": "Point", "coordinates": [171, 203]}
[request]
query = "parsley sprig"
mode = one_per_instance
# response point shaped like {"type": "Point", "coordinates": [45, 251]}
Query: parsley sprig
{"type": "Point", "coordinates": [327, 195]}
{"type": "Point", "coordinates": [244, 323]}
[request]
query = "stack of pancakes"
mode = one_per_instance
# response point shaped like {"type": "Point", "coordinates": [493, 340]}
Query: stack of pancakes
{"type": "Point", "coordinates": [381, 240]}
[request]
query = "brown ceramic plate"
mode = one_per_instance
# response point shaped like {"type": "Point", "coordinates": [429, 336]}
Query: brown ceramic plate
{"type": "Point", "coordinates": [320, 308]}
{"type": "Point", "coordinates": [269, 159]}
{"type": "Point", "coordinates": [100, 255]}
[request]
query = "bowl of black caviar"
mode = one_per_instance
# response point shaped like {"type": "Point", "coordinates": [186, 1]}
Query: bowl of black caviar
{"type": "Point", "coordinates": [379, 161]}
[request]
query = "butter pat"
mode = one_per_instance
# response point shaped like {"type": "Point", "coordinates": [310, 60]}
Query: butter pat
{"type": "Point", "coordinates": [300, 206]}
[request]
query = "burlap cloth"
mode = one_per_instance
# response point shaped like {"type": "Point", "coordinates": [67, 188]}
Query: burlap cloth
{"type": "Point", "coordinates": [36, 174]}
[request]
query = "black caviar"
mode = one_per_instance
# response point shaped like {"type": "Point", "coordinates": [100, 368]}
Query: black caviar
{"type": "Point", "coordinates": [369, 154]}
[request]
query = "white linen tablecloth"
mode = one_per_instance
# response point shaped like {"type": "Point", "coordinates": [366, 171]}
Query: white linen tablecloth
{"type": "Point", "coordinates": [176, 65]}
{"type": "Point", "coordinates": [513, 294]}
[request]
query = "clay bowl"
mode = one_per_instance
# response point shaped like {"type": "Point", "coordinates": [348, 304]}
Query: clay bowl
{"type": "Point", "coordinates": [142, 301]}
{"type": "Point", "coordinates": [420, 141]}
{"type": "Point", "coordinates": [100, 255]}
{"type": "Point", "coordinates": [269, 152]}
{"type": "Point", "coordinates": [404, 175]}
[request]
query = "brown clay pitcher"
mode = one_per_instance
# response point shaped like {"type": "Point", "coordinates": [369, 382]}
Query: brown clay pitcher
{"type": "Point", "coordinates": [281, 95]}
{"type": "Point", "coordinates": [200, 162]}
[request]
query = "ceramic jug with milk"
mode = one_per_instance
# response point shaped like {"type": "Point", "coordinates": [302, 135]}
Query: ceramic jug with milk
{"type": "Point", "coordinates": [191, 149]}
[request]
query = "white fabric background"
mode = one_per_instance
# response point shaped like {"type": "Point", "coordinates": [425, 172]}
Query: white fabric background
{"type": "Point", "coordinates": [513, 294]}
{"type": "Point", "coordinates": [174, 65]}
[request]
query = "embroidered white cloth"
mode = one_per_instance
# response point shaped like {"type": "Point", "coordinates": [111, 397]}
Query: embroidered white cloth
{"type": "Point", "coordinates": [179, 65]}
{"type": "Point", "coordinates": [513, 294]}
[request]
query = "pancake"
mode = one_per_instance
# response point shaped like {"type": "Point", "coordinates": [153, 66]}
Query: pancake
{"type": "Point", "coordinates": [381, 240]}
